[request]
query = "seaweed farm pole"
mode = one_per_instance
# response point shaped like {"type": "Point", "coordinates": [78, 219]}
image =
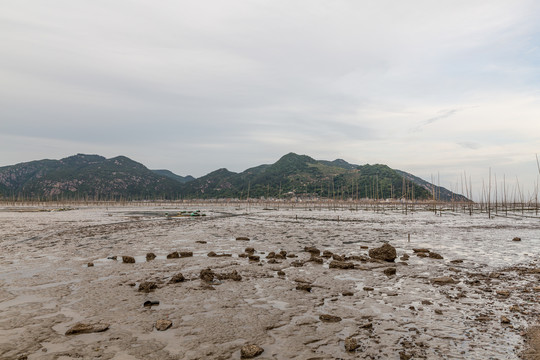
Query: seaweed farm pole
{"type": "Point", "coordinates": [489, 194]}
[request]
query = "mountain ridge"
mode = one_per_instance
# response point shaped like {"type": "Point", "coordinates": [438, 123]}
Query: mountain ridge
{"type": "Point", "coordinates": [292, 175]}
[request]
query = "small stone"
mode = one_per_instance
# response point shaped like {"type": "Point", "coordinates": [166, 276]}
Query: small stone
{"type": "Point", "coordinates": [147, 286]}
{"type": "Point", "coordinates": [112, 257]}
{"type": "Point", "coordinates": [329, 318]}
{"type": "Point", "coordinates": [243, 255]}
{"type": "Point", "coordinates": [405, 257]}
{"type": "Point", "coordinates": [254, 258]}
{"type": "Point", "coordinates": [242, 238]}
{"type": "Point", "coordinates": [250, 250]}
{"type": "Point", "coordinates": [386, 253]}
{"type": "Point", "coordinates": [186, 254]}
{"type": "Point", "coordinates": [297, 263]}
{"type": "Point", "coordinates": [421, 254]}
{"type": "Point", "coordinates": [368, 325]}
{"type": "Point", "coordinates": [291, 255]}
{"type": "Point", "coordinates": [426, 302]}
{"type": "Point", "coordinates": [351, 344]}
{"type": "Point", "coordinates": [505, 320]}
{"type": "Point", "coordinates": [347, 293]}
{"type": "Point", "coordinates": [516, 239]}
{"type": "Point", "coordinates": [312, 250]}
{"type": "Point", "coordinates": [281, 273]}
{"type": "Point", "coordinates": [327, 254]}
{"type": "Point", "coordinates": [81, 328]}
{"type": "Point", "coordinates": [515, 308]}
{"type": "Point", "coordinates": [338, 257]}
{"type": "Point", "coordinates": [177, 278]}
{"type": "Point", "coordinates": [304, 287]}
{"type": "Point", "coordinates": [334, 264]}
{"type": "Point", "coordinates": [390, 271]}
{"type": "Point", "coordinates": [233, 275]}
{"type": "Point", "coordinates": [201, 242]}
{"type": "Point", "coordinates": [367, 288]}
{"type": "Point", "coordinates": [211, 254]}
{"type": "Point", "coordinates": [128, 259]}
{"type": "Point", "coordinates": [316, 259]}
{"type": "Point", "coordinates": [434, 255]}
{"type": "Point", "coordinates": [421, 250]}
{"type": "Point", "coordinates": [162, 325]}
{"type": "Point", "coordinates": [444, 280]}
{"type": "Point", "coordinates": [207, 275]}
{"type": "Point", "coordinates": [150, 256]}
{"type": "Point", "coordinates": [90, 264]}
{"type": "Point", "coordinates": [150, 303]}
{"type": "Point", "coordinates": [457, 261]}
{"type": "Point", "coordinates": [271, 255]}
{"type": "Point", "coordinates": [173, 255]}
{"type": "Point", "coordinates": [250, 351]}
{"type": "Point", "coordinates": [438, 311]}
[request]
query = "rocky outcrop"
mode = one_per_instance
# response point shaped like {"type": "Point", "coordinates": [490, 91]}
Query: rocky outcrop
{"type": "Point", "coordinates": [386, 253]}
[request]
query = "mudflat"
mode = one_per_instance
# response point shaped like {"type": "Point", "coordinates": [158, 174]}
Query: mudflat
{"type": "Point", "coordinates": [143, 283]}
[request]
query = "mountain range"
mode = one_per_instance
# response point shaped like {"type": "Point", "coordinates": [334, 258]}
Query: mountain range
{"type": "Point", "coordinates": [84, 176]}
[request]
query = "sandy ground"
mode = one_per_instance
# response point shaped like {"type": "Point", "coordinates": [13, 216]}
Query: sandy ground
{"type": "Point", "coordinates": [46, 286]}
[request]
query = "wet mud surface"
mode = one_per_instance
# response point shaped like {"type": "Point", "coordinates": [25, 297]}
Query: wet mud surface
{"type": "Point", "coordinates": [62, 269]}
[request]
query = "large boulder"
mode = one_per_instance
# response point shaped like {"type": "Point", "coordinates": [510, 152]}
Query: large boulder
{"type": "Point", "coordinates": [386, 253]}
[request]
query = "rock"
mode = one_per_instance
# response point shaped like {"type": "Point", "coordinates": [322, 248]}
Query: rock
{"type": "Point", "coordinates": [420, 250]}
{"type": "Point", "coordinates": [128, 259]}
{"type": "Point", "coordinates": [233, 275]}
{"type": "Point", "coordinates": [434, 255]}
{"type": "Point", "coordinates": [207, 275]}
{"type": "Point", "coordinates": [316, 259]}
{"type": "Point", "coordinates": [438, 311]}
{"type": "Point", "coordinates": [273, 261]}
{"type": "Point", "coordinates": [283, 253]}
{"type": "Point", "coordinates": [444, 280]}
{"type": "Point", "coordinates": [150, 303]}
{"type": "Point", "coordinates": [297, 263]}
{"type": "Point", "coordinates": [329, 318]}
{"type": "Point", "coordinates": [338, 257]}
{"type": "Point", "coordinates": [304, 287]}
{"type": "Point", "coordinates": [515, 308]}
{"type": "Point", "coordinates": [327, 254]}
{"type": "Point", "coordinates": [186, 254]}
{"type": "Point", "coordinates": [112, 257]}
{"type": "Point", "coordinates": [162, 325]}
{"type": "Point", "coordinates": [334, 264]}
{"type": "Point", "coordinates": [386, 253]}
{"type": "Point", "coordinates": [173, 255]}
{"type": "Point", "coordinates": [312, 250]}
{"type": "Point", "coordinates": [457, 261]}
{"type": "Point", "coordinates": [280, 257]}
{"type": "Point", "coordinates": [242, 238]}
{"type": "Point", "coordinates": [249, 250]}
{"type": "Point", "coordinates": [211, 254]}
{"type": "Point", "coordinates": [201, 242]}
{"type": "Point", "coordinates": [81, 328]}
{"type": "Point", "coordinates": [250, 351]}
{"type": "Point", "coordinates": [150, 256]}
{"type": "Point", "coordinates": [281, 273]}
{"type": "Point", "coordinates": [147, 286]}
{"type": "Point", "coordinates": [90, 264]}
{"type": "Point", "coordinates": [505, 320]}
{"type": "Point", "coordinates": [177, 278]}
{"type": "Point", "coordinates": [351, 344]}
{"type": "Point", "coordinates": [426, 302]}
{"type": "Point", "coordinates": [516, 239]}
{"type": "Point", "coordinates": [254, 258]}
{"type": "Point", "coordinates": [271, 255]}
{"type": "Point", "coordinates": [291, 255]}
{"type": "Point", "coordinates": [405, 257]}
{"type": "Point", "coordinates": [243, 255]}
{"type": "Point", "coordinates": [390, 271]}
{"type": "Point", "coordinates": [367, 288]}
{"type": "Point", "coordinates": [347, 293]}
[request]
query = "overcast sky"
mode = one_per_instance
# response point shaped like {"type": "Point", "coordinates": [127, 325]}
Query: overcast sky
{"type": "Point", "coordinates": [424, 86]}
